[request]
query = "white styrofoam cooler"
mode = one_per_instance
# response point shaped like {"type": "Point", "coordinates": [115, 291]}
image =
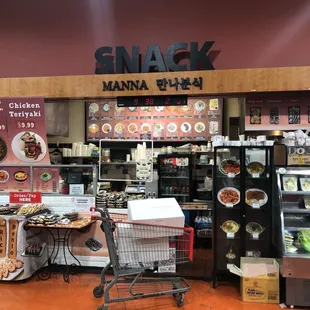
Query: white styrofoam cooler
{"type": "Point", "coordinates": [160, 212]}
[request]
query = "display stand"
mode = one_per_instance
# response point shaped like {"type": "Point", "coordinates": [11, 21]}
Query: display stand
{"type": "Point", "coordinates": [291, 227]}
{"type": "Point", "coordinates": [242, 206]}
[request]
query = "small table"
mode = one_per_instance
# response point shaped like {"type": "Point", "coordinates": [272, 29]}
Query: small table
{"type": "Point", "coordinates": [81, 225]}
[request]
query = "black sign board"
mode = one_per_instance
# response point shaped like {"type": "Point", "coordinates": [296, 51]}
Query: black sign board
{"type": "Point", "coordinates": [155, 60]}
{"type": "Point", "coordinates": [147, 101]}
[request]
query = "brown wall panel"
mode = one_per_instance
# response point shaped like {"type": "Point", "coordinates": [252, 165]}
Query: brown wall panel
{"type": "Point", "coordinates": [214, 82]}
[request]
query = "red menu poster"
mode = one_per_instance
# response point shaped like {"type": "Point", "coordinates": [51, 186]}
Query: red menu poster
{"type": "Point", "coordinates": [3, 132]}
{"type": "Point", "coordinates": [26, 133]}
{"type": "Point", "coordinates": [46, 180]}
{"type": "Point", "coordinates": [15, 179]}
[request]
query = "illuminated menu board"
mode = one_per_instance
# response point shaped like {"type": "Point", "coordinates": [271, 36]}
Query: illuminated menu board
{"type": "Point", "coordinates": [200, 119]}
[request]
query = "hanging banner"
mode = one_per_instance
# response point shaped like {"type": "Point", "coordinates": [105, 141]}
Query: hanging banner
{"type": "Point", "coordinates": [26, 140]}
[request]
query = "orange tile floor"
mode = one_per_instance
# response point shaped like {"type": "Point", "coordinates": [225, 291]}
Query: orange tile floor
{"type": "Point", "coordinates": [54, 294]}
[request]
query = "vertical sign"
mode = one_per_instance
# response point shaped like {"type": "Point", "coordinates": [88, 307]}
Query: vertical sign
{"type": "Point", "coordinates": [26, 141]}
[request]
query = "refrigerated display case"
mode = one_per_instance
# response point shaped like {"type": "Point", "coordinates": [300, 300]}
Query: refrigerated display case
{"type": "Point", "coordinates": [242, 184]}
{"type": "Point", "coordinates": [175, 177]}
{"type": "Point", "coordinates": [292, 232]}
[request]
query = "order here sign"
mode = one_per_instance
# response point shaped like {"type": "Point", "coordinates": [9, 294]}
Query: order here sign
{"type": "Point", "coordinates": [25, 197]}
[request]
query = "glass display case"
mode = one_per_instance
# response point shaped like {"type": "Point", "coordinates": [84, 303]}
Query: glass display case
{"type": "Point", "coordinates": [175, 177]}
{"type": "Point", "coordinates": [292, 231]}
{"type": "Point", "coordinates": [242, 205]}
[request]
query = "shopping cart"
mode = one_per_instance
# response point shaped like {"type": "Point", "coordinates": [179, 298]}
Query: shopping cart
{"type": "Point", "coordinates": [137, 248]}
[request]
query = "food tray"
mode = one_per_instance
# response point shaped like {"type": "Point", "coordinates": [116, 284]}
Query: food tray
{"type": "Point", "coordinates": [305, 184]}
{"type": "Point", "coordinates": [290, 183]}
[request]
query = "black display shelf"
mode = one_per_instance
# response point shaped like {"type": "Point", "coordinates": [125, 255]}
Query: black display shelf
{"type": "Point", "coordinates": [241, 213]}
{"type": "Point", "coordinates": [175, 175]}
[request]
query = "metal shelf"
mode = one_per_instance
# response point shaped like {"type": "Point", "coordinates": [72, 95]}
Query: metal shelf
{"type": "Point", "coordinates": [171, 177]}
{"type": "Point", "coordinates": [175, 195]}
{"type": "Point", "coordinates": [297, 211]}
{"type": "Point", "coordinates": [297, 193]}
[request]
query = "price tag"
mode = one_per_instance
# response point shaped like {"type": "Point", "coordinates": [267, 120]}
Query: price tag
{"type": "Point", "coordinates": [231, 175]}
{"type": "Point", "coordinates": [255, 175]}
{"type": "Point", "coordinates": [230, 235]}
{"type": "Point", "coordinates": [255, 236]}
{"type": "Point", "coordinates": [229, 205]}
{"type": "Point", "coordinates": [25, 125]}
{"type": "Point", "coordinates": [256, 206]}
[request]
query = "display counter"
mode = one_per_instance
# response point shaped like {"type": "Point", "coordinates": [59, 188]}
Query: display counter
{"type": "Point", "coordinates": [64, 190]}
{"type": "Point", "coordinates": [292, 232]}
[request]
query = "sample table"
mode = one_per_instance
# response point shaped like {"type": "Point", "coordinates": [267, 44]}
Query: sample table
{"type": "Point", "coordinates": [60, 236]}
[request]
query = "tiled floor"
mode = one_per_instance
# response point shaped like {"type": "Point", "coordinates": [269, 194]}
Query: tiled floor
{"type": "Point", "coordinates": [54, 294]}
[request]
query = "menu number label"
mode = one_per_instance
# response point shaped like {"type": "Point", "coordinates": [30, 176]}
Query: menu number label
{"type": "Point", "coordinates": [230, 235]}
{"type": "Point", "coordinates": [231, 175]}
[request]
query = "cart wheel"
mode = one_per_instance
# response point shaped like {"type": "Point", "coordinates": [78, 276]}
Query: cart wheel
{"type": "Point", "coordinates": [98, 291]}
{"type": "Point", "coordinates": [180, 300]}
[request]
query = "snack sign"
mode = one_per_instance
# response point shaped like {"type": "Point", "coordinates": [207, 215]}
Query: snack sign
{"type": "Point", "coordinates": [26, 197]}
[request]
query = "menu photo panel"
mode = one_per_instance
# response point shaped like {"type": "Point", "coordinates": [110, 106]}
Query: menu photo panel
{"type": "Point", "coordinates": [199, 120]}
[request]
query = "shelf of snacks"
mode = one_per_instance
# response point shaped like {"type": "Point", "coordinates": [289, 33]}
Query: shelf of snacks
{"type": "Point", "coordinates": [242, 205]}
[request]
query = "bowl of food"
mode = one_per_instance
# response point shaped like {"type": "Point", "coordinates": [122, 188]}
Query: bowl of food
{"type": "Point", "coordinates": [290, 183]}
{"type": "Point", "coordinates": [229, 166]}
{"type": "Point", "coordinates": [256, 197]}
{"type": "Point", "coordinates": [254, 228]}
{"type": "Point", "coordinates": [255, 167]}
{"type": "Point", "coordinates": [229, 196]}
{"type": "Point", "coordinates": [4, 176]}
{"type": "Point", "coordinates": [230, 227]}
{"type": "Point", "coordinates": [20, 176]}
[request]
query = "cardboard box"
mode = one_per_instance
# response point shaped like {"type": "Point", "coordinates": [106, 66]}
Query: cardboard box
{"type": "Point", "coordinates": [157, 212]}
{"type": "Point", "coordinates": [260, 279]}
